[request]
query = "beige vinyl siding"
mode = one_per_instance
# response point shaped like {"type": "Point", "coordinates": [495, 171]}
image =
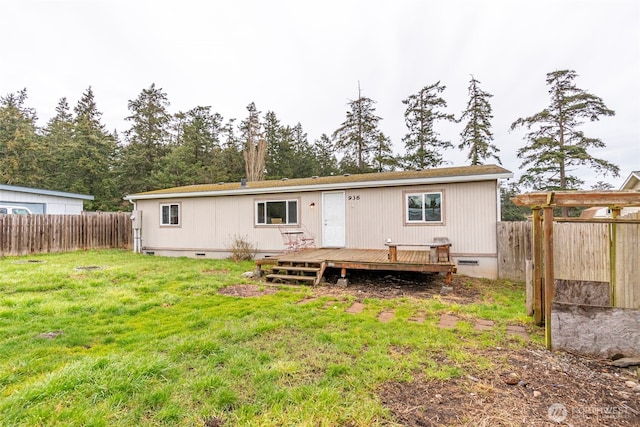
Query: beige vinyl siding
{"type": "Point", "coordinates": [469, 214]}
{"type": "Point", "coordinates": [372, 216]}
{"type": "Point", "coordinates": [210, 223]}
{"type": "Point", "coordinates": [474, 218]}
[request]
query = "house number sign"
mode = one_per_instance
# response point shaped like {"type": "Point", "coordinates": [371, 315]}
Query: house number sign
{"type": "Point", "coordinates": [357, 197]}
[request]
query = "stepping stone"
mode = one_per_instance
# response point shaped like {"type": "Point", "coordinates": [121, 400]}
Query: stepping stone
{"type": "Point", "coordinates": [306, 300]}
{"type": "Point", "coordinates": [518, 331]}
{"type": "Point", "coordinates": [483, 325]}
{"type": "Point", "coordinates": [418, 318]}
{"type": "Point", "coordinates": [386, 316]}
{"type": "Point", "coordinates": [448, 321]}
{"type": "Point", "coordinates": [329, 304]}
{"type": "Point", "coordinates": [356, 308]}
{"type": "Point", "coordinates": [625, 362]}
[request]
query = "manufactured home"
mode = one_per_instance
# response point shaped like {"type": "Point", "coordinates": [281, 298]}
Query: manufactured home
{"type": "Point", "coordinates": [359, 211]}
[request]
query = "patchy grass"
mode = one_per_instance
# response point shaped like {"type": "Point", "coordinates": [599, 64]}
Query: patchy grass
{"type": "Point", "coordinates": [150, 341]}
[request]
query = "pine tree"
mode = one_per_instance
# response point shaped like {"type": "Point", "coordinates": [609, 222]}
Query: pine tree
{"type": "Point", "coordinates": [255, 146]}
{"type": "Point", "coordinates": [383, 158]}
{"type": "Point", "coordinates": [423, 145]}
{"type": "Point", "coordinates": [191, 156]}
{"type": "Point", "coordinates": [147, 140]}
{"type": "Point", "coordinates": [20, 156]}
{"type": "Point", "coordinates": [325, 154]}
{"type": "Point", "coordinates": [477, 136]}
{"type": "Point", "coordinates": [556, 143]}
{"type": "Point", "coordinates": [202, 134]}
{"type": "Point", "coordinates": [279, 161]}
{"type": "Point", "coordinates": [509, 211]}
{"type": "Point", "coordinates": [602, 186]}
{"type": "Point", "coordinates": [304, 162]}
{"type": "Point", "coordinates": [58, 144]}
{"type": "Point", "coordinates": [348, 164]}
{"type": "Point", "coordinates": [91, 157]}
{"type": "Point", "coordinates": [228, 161]}
{"type": "Point", "coordinates": [358, 134]}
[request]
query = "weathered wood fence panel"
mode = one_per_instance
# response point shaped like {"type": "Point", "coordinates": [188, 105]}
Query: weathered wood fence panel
{"type": "Point", "coordinates": [581, 252]}
{"type": "Point", "coordinates": [31, 234]}
{"type": "Point", "coordinates": [514, 248]}
{"type": "Point", "coordinates": [628, 264]}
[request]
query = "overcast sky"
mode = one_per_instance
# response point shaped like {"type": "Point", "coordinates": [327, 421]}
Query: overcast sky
{"type": "Point", "coordinates": [303, 60]}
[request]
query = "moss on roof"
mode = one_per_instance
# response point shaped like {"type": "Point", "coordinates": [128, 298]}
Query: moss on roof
{"type": "Point", "coordinates": [337, 179]}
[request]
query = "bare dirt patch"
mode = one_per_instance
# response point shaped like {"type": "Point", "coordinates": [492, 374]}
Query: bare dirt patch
{"type": "Point", "coordinates": [49, 335]}
{"type": "Point", "coordinates": [376, 284]}
{"type": "Point", "coordinates": [532, 387]}
{"type": "Point", "coordinates": [246, 291]}
{"type": "Point", "coordinates": [528, 386]}
{"type": "Point", "coordinates": [214, 422]}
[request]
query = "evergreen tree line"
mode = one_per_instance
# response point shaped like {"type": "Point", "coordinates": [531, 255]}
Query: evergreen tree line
{"type": "Point", "coordinates": [74, 152]}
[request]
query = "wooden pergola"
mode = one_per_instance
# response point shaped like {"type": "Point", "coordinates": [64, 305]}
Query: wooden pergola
{"type": "Point", "coordinates": [542, 205]}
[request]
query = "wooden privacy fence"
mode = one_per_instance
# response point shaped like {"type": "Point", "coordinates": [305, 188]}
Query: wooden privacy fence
{"type": "Point", "coordinates": [582, 252]}
{"type": "Point", "coordinates": [32, 234]}
{"type": "Point", "coordinates": [627, 264]}
{"type": "Point", "coordinates": [514, 249]}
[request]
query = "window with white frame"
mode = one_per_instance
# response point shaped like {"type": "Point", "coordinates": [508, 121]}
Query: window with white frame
{"type": "Point", "coordinates": [170, 214]}
{"type": "Point", "coordinates": [276, 212]}
{"type": "Point", "coordinates": [424, 208]}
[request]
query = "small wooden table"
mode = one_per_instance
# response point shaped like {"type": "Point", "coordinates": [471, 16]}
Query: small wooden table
{"type": "Point", "coordinates": [441, 250]}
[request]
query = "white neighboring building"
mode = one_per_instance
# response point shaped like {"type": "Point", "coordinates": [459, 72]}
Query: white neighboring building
{"type": "Point", "coordinates": [631, 183]}
{"type": "Point", "coordinates": [41, 201]}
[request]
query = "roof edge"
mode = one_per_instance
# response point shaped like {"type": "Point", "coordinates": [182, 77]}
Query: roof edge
{"type": "Point", "coordinates": [632, 175]}
{"type": "Point", "coordinates": [31, 190]}
{"type": "Point", "coordinates": [324, 187]}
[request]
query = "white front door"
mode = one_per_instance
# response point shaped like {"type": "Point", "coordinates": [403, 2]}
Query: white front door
{"type": "Point", "coordinates": [333, 219]}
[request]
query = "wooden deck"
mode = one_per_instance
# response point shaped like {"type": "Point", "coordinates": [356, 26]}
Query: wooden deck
{"type": "Point", "coordinates": [362, 259]}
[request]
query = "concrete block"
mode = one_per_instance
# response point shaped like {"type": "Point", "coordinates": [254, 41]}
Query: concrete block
{"type": "Point", "coordinates": [595, 331]}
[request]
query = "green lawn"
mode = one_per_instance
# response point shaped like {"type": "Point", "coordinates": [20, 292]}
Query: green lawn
{"type": "Point", "coordinates": [149, 341]}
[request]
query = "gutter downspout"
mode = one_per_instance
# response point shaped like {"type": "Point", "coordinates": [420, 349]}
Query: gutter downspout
{"type": "Point", "coordinates": [137, 228]}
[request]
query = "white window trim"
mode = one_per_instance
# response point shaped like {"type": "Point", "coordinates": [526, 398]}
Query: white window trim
{"type": "Point", "coordinates": [423, 194]}
{"type": "Point", "coordinates": [284, 220]}
{"type": "Point", "coordinates": [162, 205]}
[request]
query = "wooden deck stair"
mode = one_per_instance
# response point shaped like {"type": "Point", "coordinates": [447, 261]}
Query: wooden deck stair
{"type": "Point", "coordinates": [294, 272]}
{"type": "Point", "coordinates": [309, 265]}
